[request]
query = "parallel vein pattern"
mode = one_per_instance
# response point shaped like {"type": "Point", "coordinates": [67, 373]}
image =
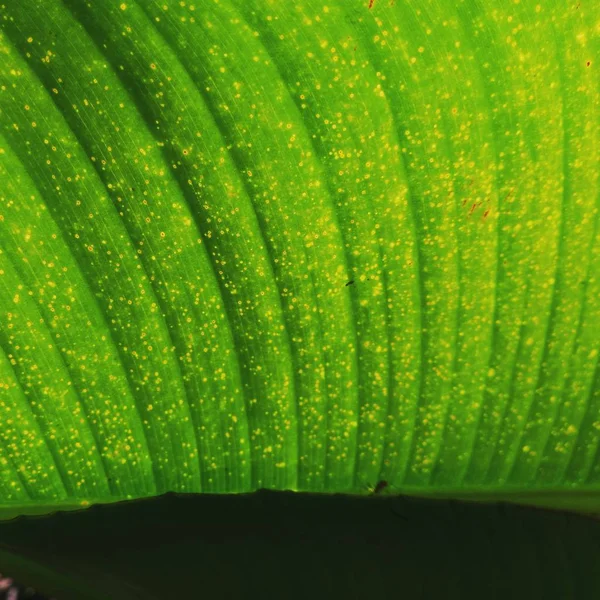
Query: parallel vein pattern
{"type": "Point", "coordinates": [306, 247]}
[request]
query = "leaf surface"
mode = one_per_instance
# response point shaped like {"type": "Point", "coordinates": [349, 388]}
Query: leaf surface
{"type": "Point", "coordinates": [187, 191]}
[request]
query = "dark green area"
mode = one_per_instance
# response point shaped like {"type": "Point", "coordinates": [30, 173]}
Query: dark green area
{"type": "Point", "coordinates": [274, 544]}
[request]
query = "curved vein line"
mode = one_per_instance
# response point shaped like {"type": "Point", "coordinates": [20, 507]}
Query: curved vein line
{"type": "Point", "coordinates": [194, 215]}
{"type": "Point", "coordinates": [495, 309]}
{"type": "Point", "coordinates": [235, 161]}
{"type": "Point", "coordinates": [68, 126]}
{"type": "Point", "coordinates": [459, 261]}
{"type": "Point", "coordinates": [58, 352]}
{"type": "Point", "coordinates": [163, 305]}
{"type": "Point", "coordinates": [436, 467]}
{"type": "Point", "coordinates": [385, 281]}
{"type": "Point", "coordinates": [586, 407]}
{"type": "Point", "coordinates": [324, 354]}
{"type": "Point", "coordinates": [353, 304]}
{"type": "Point", "coordinates": [387, 297]}
{"type": "Point", "coordinates": [593, 391]}
{"type": "Point", "coordinates": [550, 326]}
{"type": "Point", "coordinates": [420, 400]}
{"type": "Point", "coordinates": [511, 388]}
{"type": "Point", "coordinates": [509, 400]}
{"type": "Point", "coordinates": [51, 217]}
{"type": "Point", "coordinates": [50, 454]}
{"type": "Point", "coordinates": [420, 284]}
{"type": "Point", "coordinates": [68, 370]}
{"type": "Point", "coordinates": [209, 262]}
{"type": "Point", "coordinates": [570, 375]}
{"type": "Point", "coordinates": [330, 194]}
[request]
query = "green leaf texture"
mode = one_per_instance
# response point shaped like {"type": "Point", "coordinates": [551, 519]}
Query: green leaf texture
{"type": "Point", "coordinates": [305, 246]}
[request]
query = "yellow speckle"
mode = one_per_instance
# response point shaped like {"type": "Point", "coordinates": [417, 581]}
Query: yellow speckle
{"type": "Point", "coordinates": [123, 6]}
{"type": "Point", "coordinates": [491, 372]}
{"type": "Point", "coordinates": [149, 406]}
{"type": "Point", "coordinates": [234, 418]}
{"type": "Point", "coordinates": [16, 299]}
{"type": "Point", "coordinates": [30, 39]}
{"type": "Point", "coordinates": [593, 354]}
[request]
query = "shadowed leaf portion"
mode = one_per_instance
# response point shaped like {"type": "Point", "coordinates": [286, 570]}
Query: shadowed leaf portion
{"type": "Point", "coordinates": [299, 545]}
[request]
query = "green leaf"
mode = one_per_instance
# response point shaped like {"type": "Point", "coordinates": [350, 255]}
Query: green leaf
{"type": "Point", "coordinates": [310, 247]}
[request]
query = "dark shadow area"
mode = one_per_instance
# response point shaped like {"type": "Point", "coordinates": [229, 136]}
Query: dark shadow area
{"type": "Point", "coordinates": [271, 544]}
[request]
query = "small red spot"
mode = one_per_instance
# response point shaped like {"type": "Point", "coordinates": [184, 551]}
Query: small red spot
{"type": "Point", "coordinates": [371, 2]}
{"type": "Point", "coordinates": [486, 213]}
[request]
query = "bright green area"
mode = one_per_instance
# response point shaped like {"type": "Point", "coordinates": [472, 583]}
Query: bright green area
{"type": "Point", "coordinates": [186, 191]}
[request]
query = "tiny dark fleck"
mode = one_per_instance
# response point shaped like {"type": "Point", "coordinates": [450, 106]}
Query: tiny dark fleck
{"type": "Point", "coordinates": [350, 282]}
{"type": "Point", "coordinates": [381, 485]}
{"type": "Point", "coordinates": [371, 2]}
{"type": "Point", "coordinates": [588, 63]}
